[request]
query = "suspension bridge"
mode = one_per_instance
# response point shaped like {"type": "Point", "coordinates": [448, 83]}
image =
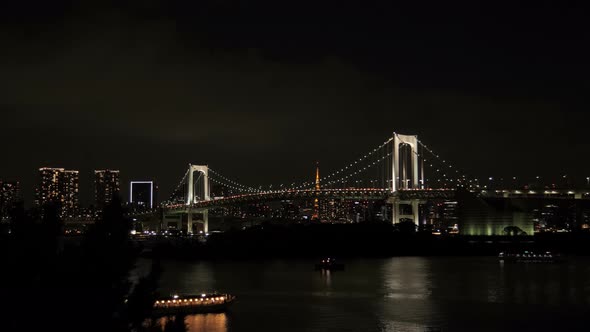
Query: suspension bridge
{"type": "Point", "coordinates": [393, 172]}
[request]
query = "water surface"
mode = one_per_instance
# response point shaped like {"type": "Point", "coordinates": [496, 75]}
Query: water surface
{"type": "Point", "coordinates": [395, 294]}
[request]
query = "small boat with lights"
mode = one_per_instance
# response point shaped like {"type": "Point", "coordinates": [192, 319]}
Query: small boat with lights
{"type": "Point", "coordinates": [530, 257]}
{"type": "Point", "coordinates": [329, 264]}
{"type": "Point", "coordinates": [193, 304]}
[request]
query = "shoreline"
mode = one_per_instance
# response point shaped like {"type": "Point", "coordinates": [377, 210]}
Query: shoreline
{"type": "Point", "coordinates": [363, 241]}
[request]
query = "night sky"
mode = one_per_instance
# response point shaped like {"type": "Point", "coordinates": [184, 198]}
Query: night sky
{"type": "Point", "coordinates": [260, 90]}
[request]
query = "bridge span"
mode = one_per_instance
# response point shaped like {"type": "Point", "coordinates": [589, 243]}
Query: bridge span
{"type": "Point", "coordinates": [393, 172]}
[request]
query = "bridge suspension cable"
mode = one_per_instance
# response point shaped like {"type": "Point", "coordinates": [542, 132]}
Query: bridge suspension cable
{"type": "Point", "coordinates": [358, 163]}
{"type": "Point", "coordinates": [445, 168]}
{"type": "Point", "coordinates": [310, 184]}
{"type": "Point", "coordinates": [360, 170]}
{"type": "Point", "coordinates": [231, 183]}
{"type": "Point", "coordinates": [230, 186]}
{"type": "Point", "coordinates": [378, 158]}
{"type": "Point", "coordinates": [176, 190]}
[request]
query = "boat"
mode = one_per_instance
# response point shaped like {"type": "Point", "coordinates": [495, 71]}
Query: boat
{"type": "Point", "coordinates": [193, 304]}
{"type": "Point", "coordinates": [530, 257]}
{"type": "Point", "coordinates": [329, 264]}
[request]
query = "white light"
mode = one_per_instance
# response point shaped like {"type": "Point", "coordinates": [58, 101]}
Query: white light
{"type": "Point", "coordinates": [151, 183]}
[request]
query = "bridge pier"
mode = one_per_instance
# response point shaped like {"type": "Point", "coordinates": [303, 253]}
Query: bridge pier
{"type": "Point", "coordinates": [189, 223]}
{"type": "Point", "coordinates": [167, 218]}
{"type": "Point", "coordinates": [204, 220]}
{"type": "Point", "coordinates": [405, 209]}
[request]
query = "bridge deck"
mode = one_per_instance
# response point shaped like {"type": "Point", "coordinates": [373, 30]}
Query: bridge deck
{"type": "Point", "coordinates": [344, 194]}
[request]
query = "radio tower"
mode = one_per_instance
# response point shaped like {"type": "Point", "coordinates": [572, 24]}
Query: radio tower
{"type": "Point", "coordinates": [316, 202]}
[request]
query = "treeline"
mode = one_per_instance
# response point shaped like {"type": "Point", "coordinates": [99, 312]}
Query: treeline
{"type": "Point", "coordinates": [48, 286]}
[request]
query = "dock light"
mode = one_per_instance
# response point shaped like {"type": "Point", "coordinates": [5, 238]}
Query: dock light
{"type": "Point", "coordinates": [203, 295]}
{"type": "Point", "coordinates": [175, 296]}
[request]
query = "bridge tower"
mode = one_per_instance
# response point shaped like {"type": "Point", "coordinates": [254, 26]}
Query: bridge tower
{"type": "Point", "coordinates": [401, 178]}
{"type": "Point", "coordinates": [405, 175]}
{"type": "Point", "coordinates": [192, 198]}
{"type": "Point", "coordinates": [203, 171]}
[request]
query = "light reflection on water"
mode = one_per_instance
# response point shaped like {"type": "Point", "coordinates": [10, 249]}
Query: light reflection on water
{"type": "Point", "coordinates": [200, 322]}
{"type": "Point", "coordinates": [396, 294]}
{"type": "Point", "coordinates": [327, 277]}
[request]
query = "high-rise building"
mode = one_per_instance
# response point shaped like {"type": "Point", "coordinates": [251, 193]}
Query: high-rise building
{"type": "Point", "coordinates": [142, 194]}
{"type": "Point", "coordinates": [9, 194]}
{"type": "Point", "coordinates": [106, 184]}
{"type": "Point", "coordinates": [48, 189]}
{"type": "Point", "coordinates": [59, 186]}
{"type": "Point", "coordinates": [69, 183]}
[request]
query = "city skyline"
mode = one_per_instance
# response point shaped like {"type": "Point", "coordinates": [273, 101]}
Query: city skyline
{"type": "Point", "coordinates": [86, 192]}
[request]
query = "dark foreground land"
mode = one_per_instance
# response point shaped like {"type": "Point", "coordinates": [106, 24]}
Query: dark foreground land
{"type": "Point", "coordinates": [357, 240]}
{"type": "Point", "coordinates": [48, 283]}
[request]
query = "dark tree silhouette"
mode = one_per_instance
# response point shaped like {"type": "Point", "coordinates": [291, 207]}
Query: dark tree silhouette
{"type": "Point", "coordinates": [406, 227]}
{"type": "Point", "coordinates": [83, 287]}
{"type": "Point", "coordinates": [514, 231]}
{"type": "Point", "coordinates": [143, 296]}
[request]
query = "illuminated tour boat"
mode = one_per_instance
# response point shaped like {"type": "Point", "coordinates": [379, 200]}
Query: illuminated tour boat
{"type": "Point", "coordinates": [193, 304]}
{"type": "Point", "coordinates": [329, 264]}
{"type": "Point", "coordinates": [530, 257]}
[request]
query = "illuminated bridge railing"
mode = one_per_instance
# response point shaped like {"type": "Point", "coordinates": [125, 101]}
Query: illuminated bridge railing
{"type": "Point", "coordinates": [410, 194]}
{"type": "Point", "coordinates": [349, 194]}
{"type": "Point", "coordinates": [346, 194]}
{"type": "Point", "coordinates": [538, 194]}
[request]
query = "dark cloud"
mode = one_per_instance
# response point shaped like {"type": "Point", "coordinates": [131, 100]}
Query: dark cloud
{"type": "Point", "coordinates": [261, 90]}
